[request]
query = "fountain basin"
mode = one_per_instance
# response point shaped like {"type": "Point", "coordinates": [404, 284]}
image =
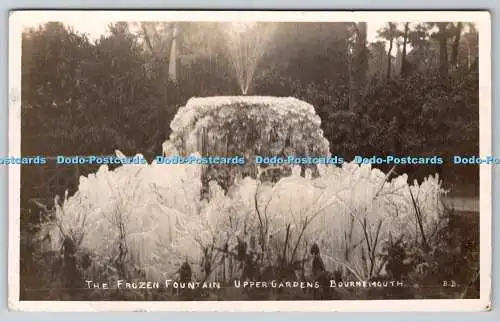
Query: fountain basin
{"type": "Point", "coordinates": [262, 124]}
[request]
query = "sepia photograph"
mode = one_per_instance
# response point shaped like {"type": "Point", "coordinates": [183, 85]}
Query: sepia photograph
{"type": "Point", "coordinates": [250, 161]}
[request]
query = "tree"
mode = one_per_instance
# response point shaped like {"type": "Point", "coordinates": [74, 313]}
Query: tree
{"type": "Point", "coordinates": [359, 63]}
{"type": "Point", "coordinates": [442, 35]}
{"type": "Point", "coordinates": [198, 49]}
{"type": "Point", "coordinates": [309, 51]}
{"type": "Point", "coordinates": [405, 35]}
{"type": "Point", "coordinates": [378, 59]}
{"type": "Point", "coordinates": [468, 48]}
{"type": "Point", "coordinates": [158, 39]}
{"type": "Point", "coordinates": [424, 55]}
{"type": "Point", "coordinates": [418, 36]}
{"type": "Point", "coordinates": [457, 30]}
{"type": "Point", "coordinates": [53, 82]}
{"type": "Point", "coordinates": [389, 33]}
{"type": "Point", "coordinates": [311, 62]}
{"type": "Point", "coordinates": [83, 97]}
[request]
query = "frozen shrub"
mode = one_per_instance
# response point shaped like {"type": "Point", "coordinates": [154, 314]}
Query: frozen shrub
{"type": "Point", "coordinates": [137, 214]}
{"type": "Point", "coordinates": [348, 211]}
{"type": "Point", "coordinates": [151, 217]}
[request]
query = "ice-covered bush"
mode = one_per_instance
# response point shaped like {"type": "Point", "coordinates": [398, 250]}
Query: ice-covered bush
{"type": "Point", "coordinates": [151, 217]}
{"type": "Point", "coordinates": [349, 212]}
{"type": "Point", "coordinates": [138, 214]}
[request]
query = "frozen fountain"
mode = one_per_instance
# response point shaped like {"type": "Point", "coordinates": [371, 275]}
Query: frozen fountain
{"type": "Point", "coordinates": [247, 125]}
{"type": "Point", "coordinates": [156, 212]}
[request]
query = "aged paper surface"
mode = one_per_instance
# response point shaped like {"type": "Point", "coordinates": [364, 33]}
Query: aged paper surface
{"type": "Point", "coordinates": [250, 161]}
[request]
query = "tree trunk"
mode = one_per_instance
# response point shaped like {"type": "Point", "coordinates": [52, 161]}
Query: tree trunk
{"type": "Point", "coordinates": [404, 67]}
{"type": "Point", "coordinates": [468, 55]}
{"type": "Point", "coordinates": [443, 50]}
{"type": "Point", "coordinates": [358, 64]}
{"type": "Point", "coordinates": [350, 80]}
{"type": "Point", "coordinates": [456, 44]}
{"type": "Point", "coordinates": [172, 68]}
{"type": "Point", "coordinates": [361, 55]}
{"type": "Point", "coordinates": [389, 58]}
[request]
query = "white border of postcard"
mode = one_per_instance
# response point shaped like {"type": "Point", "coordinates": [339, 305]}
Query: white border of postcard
{"type": "Point", "coordinates": [481, 18]}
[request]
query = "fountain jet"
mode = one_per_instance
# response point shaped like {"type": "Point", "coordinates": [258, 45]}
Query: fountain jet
{"type": "Point", "coordinates": [246, 44]}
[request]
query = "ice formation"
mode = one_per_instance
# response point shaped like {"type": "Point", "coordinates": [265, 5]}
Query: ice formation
{"type": "Point", "coordinates": [233, 124]}
{"type": "Point", "coordinates": [158, 213]}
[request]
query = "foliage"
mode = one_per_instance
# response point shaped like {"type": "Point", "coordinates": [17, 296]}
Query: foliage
{"type": "Point", "coordinates": [81, 97]}
{"type": "Point", "coordinates": [450, 263]}
{"type": "Point", "coordinates": [392, 117]}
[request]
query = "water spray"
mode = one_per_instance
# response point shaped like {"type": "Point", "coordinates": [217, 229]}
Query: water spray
{"type": "Point", "coordinates": [246, 44]}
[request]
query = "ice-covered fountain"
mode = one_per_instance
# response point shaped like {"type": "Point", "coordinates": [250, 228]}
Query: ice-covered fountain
{"type": "Point", "coordinates": [250, 125]}
{"type": "Point", "coordinates": [246, 125]}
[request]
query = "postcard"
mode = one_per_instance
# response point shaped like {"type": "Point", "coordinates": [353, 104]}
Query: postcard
{"type": "Point", "coordinates": [250, 161]}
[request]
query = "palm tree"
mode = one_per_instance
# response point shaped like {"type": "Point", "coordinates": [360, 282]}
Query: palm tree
{"type": "Point", "coordinates": [389, 33]}
{"type": "Point", "coordinates": [442, 35]}
{"type": "Point", "coordinates": [405, 35]}
{"type": "Point", "coordinates": [358, 62]}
